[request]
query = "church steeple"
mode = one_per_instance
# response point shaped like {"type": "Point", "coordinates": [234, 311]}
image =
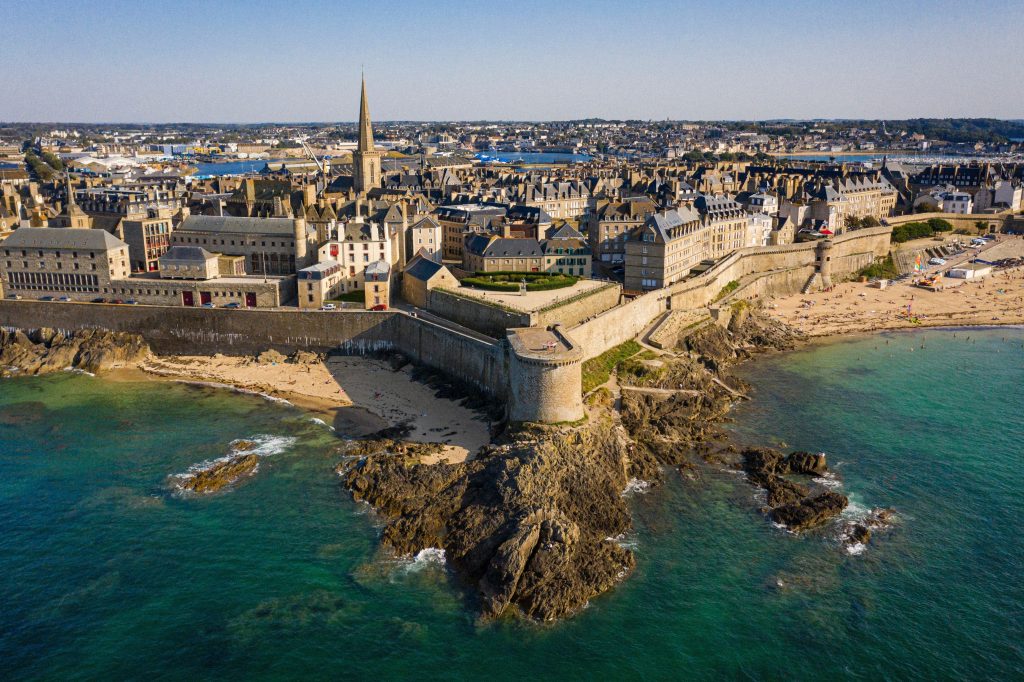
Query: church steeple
{"type": "Point", "coordinates": [365, 127]}
{"type": "Point", "coordinates": [366, 171]}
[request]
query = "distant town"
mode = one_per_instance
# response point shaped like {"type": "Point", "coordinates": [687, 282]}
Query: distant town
{"type": "Point", "coordinates": [465, 222]}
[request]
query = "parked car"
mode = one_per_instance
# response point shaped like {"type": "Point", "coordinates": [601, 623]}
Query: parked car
{"type": "Point", "coordinates": [14, 297]}
{"type": "Point", "coordinates": [937, 261]}
{"type": "Point", "coordinates": [46, 298]}
{"type": "Point", "coordinates": [65, 299]}
{"type": "Point", "coordinates": [328, 306]}
{"type": "Point", "coordinates": [233, 304]}
{"type": "Point", "coordinates": [98, 300]}
{"type": "Point", "coordinates": [117, 301]}
{"type": "Point", "coordinates": [382, 306]}
{"type": "Point", "coordinates": [208, 305]}
{"type": "Point", "coordinates": [131, 301]}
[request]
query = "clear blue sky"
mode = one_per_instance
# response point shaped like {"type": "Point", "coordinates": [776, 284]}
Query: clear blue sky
{"type": "Point", "coordinates": [156, 61]}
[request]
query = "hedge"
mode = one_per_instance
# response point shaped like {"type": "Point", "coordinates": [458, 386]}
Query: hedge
{"type": "Point", "coordinates": [509, 281]}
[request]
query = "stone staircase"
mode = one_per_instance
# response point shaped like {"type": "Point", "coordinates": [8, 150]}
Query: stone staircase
{"type": "Point", "coordinates": [812, 282]}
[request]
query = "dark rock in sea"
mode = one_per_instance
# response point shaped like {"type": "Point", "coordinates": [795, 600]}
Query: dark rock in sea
{"type": "Point", "coordinates": [859, 534]}
{"type": "Point", "coordinates": [790, 503]}
{"type": "Point", "coordinates": [810, 511]}
{"type": "Point", "coordinates": [527, 523]}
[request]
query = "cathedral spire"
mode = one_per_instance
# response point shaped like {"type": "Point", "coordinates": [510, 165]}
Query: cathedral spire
{"type": "Point", "coordinates": [365, 127]}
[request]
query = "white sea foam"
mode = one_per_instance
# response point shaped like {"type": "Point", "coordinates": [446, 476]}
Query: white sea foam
{"type": "Point", "coordinates": [636, 486]}
{"type": "Point", "coordinates": [431, 555]}
{"type": "Point", "coordinates": [76, 370]}
{"type": "Point", "coordinates": [829, 480]}
{"type": "Point", "coordinates": [425, 558]}
{"type": "Point", "coordinates": [321, 422]}
{"type": "Point", "coordinates": [856, 548]}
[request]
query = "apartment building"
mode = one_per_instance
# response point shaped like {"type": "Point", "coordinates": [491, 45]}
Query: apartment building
{"type": "Point", "coordinates": [664, 249]}
{"type": "Point", "coordinates": [609, 224]}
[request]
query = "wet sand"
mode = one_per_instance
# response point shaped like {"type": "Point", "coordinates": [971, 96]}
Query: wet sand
{"type": "Point", "coordinates": [358, 396]}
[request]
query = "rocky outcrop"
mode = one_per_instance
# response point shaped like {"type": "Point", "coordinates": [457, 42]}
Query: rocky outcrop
{"type": "Point", "coordinates": [810, 511]}
{"type": "Point", "coordinates": [220, 474]}
{"type": "Point", "coordinates": [790, 503]}
{"type": "Point", "coordinates": [43, 351]}
{"type": "Point", "coordinates": [527, 524]}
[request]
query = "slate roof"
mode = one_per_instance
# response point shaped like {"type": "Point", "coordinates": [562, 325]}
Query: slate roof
{"type": "Point", "coordinates": [187, 253]}
{"type": "Point", "coordinates": [422, 268]}
{"type": "Point", "coordinates": [236, 225]}
{"type": "Point", "coordinates": [61, 238]}
{"type": "Point", "coordinates": [491, 247]}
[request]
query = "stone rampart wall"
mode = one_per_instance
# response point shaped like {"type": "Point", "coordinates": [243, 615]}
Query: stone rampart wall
{"type": "Point", "coordinates": [177, 330]}
{"type": "Point", "coordinates": [486, 318]}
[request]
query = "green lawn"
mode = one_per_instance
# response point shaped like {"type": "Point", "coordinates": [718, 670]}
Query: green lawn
{"type": "Point", "coordinates": [598, 370]}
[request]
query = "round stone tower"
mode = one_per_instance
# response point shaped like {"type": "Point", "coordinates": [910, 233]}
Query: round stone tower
{"type": "Point", "coordinates": [824, 250]}
{"type": "Point", "coordinates": [545, 376]}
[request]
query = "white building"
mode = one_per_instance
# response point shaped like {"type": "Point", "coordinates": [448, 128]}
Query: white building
{"type": "Point", "coordinates": [759, 230]}
{"type": "Point", "coordinates": [957, 202]}
{"type": "Point", "coordinates": [357, 244]}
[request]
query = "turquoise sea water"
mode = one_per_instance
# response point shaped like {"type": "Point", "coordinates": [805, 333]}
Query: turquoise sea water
{"type": "Point", "coordinates": [104, 573]}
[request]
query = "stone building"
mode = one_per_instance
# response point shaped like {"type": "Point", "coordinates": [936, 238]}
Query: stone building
{"type": "Point", "coordinates": [423, 238]}
{"type": "Point", "coordinates": [319, 283]}
{"type": "Point", "coordinates": [491, 253]}
{"type": "Point", "coordinates": [377, 285]}
{"type": "Point", "coordinates": [54, 261]}
{"type": "Point", "coordinates": [358, 244]}
{"type": "Point", "coordinates": [421, 276]}
{"type": "Point", "coordinates": [608, 226]}
{"type": "Point", "coordinates": [665, 248]}
{"type": "Point", "coordinates": [271, 246]}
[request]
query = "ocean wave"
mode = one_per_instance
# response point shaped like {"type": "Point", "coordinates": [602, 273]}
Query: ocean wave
{"type": "Point", "coordinates": [76, 370]}
{"type": "Point", "coordinates": [423, 559]}
{"type": "Point", "coordinates": [636, 486]}
{"type": "Point", "coordinates": [321, 422]}
{"type": "Point", "coordinates": [624, 540]}
{"type": "Point", "coordinates": [856, 548]}
{"type": "Point", "coordinates": [828, 480]}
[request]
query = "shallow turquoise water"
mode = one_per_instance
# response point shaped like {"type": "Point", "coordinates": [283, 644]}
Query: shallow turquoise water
{"type": "Point", "coordinates": [105, 574]}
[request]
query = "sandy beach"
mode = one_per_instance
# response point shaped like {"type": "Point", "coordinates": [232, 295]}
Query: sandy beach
{"type": "Point", "coordinates": [853, 307]}
{"type": "Point", "coordinates": [358, 396]}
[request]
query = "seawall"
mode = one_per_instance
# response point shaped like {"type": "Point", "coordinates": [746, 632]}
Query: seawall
{"type": "Point", "coordinates": [180, 330]}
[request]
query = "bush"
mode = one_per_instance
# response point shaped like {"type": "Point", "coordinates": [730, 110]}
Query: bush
{"type": "Point", "coordinates": [940, 225]}
{"type": "Point", "coordinates": [883, 269]}
{"type": "Point", "coordinates": [727, 289]}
